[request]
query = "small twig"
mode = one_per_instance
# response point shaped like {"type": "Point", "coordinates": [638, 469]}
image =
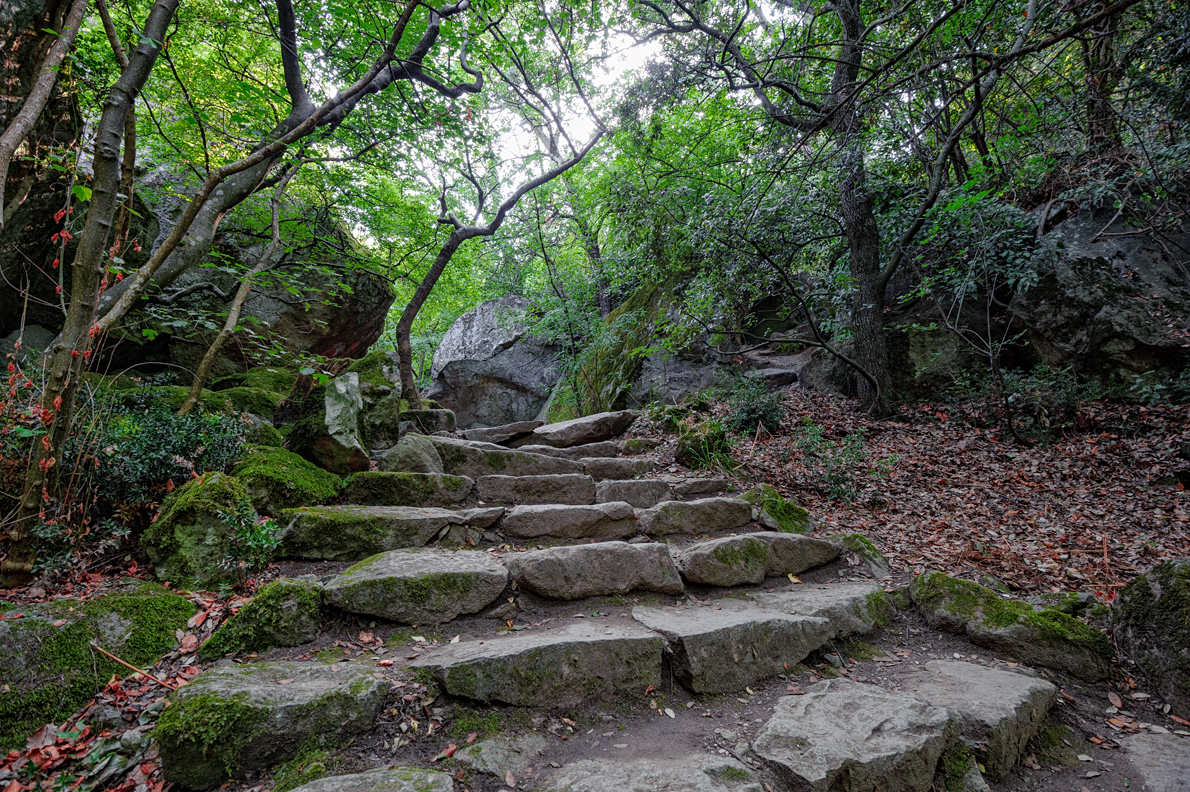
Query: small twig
{"type": "Point", "coordinates": [134, 668]}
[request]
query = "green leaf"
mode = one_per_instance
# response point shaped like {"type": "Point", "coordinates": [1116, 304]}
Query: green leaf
{"type": "Point", "coordinates": [149, 334]}
{"type": "Point", "coordinates": [81, 192]}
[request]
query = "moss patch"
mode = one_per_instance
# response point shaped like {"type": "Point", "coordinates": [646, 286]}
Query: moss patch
{"type": "Point", "coordinates": [374, 488]}
{"type": "Point", "coordinates": [750, 552]}
{"type": "Point", "coordinates": [267, 378]}
{"type": "Point", "coordinates": [1151, 622]}
{"type": "Point", "coordinates": [862, 546]}
{"type": "Point", "coordinates": [283, 613]}
{"type": "Point", "coordinates": [277, 479]}
{"type": "Point", "coordinates": [171, 397]}
{"type": "Point", "coordinates": [252, 400]}
{"type": "Point", "coordinates": [53, 671]}
{"type": "Point", "coordinates": [784, 515]}
{"type": "Point", "coordinates": [215, 728]}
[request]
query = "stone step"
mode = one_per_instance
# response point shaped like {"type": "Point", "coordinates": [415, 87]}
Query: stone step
{"type": "Point", "coordinates": [472, 459]}
{"type": "Point", "coordinates": [600, 521]}
{"type": "Point", "coordinates": [588, 451]}
{"type": "Point", "coordinates": [581, 431]}
{"type": "Point", "coordinates": [504, 433]}
{"type": "Point", "coordinates": [844, 735]}
{"type": "Point", "coordinates": [234, 719]}
{"type": "Point", "coordinates": [999, 711]}
{"type": "Point", "coordinates": [597, 659]}
{"type": "Point", "coordinates": [564, 489]}
{"type": "Point", "coordinates": [419, 586]}
{"type": "Point", "coordinates": [704, 516]}
{"type": "Point", "coordinates": [602, 468]}
{"type": "Point", "coordinates": [373, 488]}
{"type": "Point", "coordinates": [352, 533]}
{"type": "Point", "coordinates": [695, 488]}
{"type": "Point", "coordinates": [699, 773]}
{"type": "Point", "coordinates": [595, 570]}
{"type": "Point", "coordinates": [853, 607]}
{"type": "Point", "coordinates": [750, 558]}
{"type": "Point", "coordinates": [641, 493]}
{"type": "Point", "coordinates": [721, 648]}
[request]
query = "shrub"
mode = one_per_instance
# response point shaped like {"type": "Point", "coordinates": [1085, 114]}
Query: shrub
{"type": "Point", "coordinates": [839, 466]}
{"type": "Point", "coordinates": [703, 445]}
{"type": "Point", "coordinates": [753, 404]}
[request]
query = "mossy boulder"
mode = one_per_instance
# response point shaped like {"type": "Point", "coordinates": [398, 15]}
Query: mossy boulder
{"type": "Point", "coordinates": [283, 613]}
{"type": "Point", "coordinates": [429, 421]}
{"type": "Point", "coordinates": [189, 542]}
{"type": "Point", "coordinates": [267, 378]}
{"type": "Point", "coordinates": [264, 434]}
{"type": "Point", "coordinates": [171, 397]}
{"type": "Point", "coordinates": [395, 779]}
{"type": "Point", "coordinates": [276, 479]}
{"type": "Point", "coordinates": [863, 547]}
{"type": "Point", "coordinates": [48, 669]}
{"type": "Point", "coordinates": [328, 431]}
{"type": "Point", "coordinates": [777, 513]}
{"type": "Point", "coordinates": [380, 394]}
{"type": "Point", "coordinates": [698, 445]}
{"type": "Point", "coordinates": [252, 400]}
{"type": "Point", "coordinates": [411, 454]}
{"type": "Point", "coordinates": [1151, 623]}
{"type": "Point", "coordinates": [1029, 633]}
{"type": "Point", "coordinates": [232, 720]}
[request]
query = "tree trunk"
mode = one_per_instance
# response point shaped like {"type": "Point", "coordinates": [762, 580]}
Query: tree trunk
{"type": "Point", "coordinates": [409, 390]}
{"type": "Point", "coordinates": [41, 498]}
{"type": "Point", "coordinates": [1100, 76]}
{"type": "Point", "coordinates": [35, 102]}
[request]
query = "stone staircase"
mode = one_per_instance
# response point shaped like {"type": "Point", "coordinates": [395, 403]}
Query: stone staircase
{"type": "Point", "coordinates": [565, 516]}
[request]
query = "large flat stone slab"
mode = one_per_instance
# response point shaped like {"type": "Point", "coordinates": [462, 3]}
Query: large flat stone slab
{"type": "Point", "coordinates": [420, 586]}
{"type": "Point", "coordinates": [235, 719]}
{"type": "Point", "coordinates": [724, 648]}
{"type": "Point", "coordinates": [602, 469]}
{"type": "Point", "coordinates": [704, 516]}
{"type": "Point", "coordinates": [594, 660]}
{"type": "Point", "coordinates": [750, 558]}
{"type": "Point", "coordinates": [504, 433]}
{"type": "Point", "coordinates": [854, 607]}
{"type": "Point", "coordinates": [352, 533]}
{"type": "Point", "coordinates": [601, 521]}
{"type": "Point", "coordinates": [374, 488]}
{"type": "Point", "coordinates": [595, 570]}
{"type": "Point", "coordinates": [641, 493]}
{"type": "Point", "coordinates": [504, 754]}
{"type": "Point", "coordinates": [581, 431]}
{"type": "Point", "coordinates": [695, 488]}
{"type": "Point", "coordinates": [1000, 711]}
{"type": "Point", "coordinates": [590, 450]}
{"type": "Point", "coordinates": [474, 459]}
{"type": "Point", "coordinates": [689, 774]}
{"type": "Point", "coordinates": [1163, 760]}
{"type": "Point", "coordinates": [844, 736]}
{"type": "Point", "coordinates": [397, 779]}
{"type": "Point", "coordinates": [565, 489]}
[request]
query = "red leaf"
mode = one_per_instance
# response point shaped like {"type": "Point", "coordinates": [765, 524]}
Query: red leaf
{"type": "Point", "coordinates": [1182, 721]}
{"type": "Point", "coordinates": [189, 642]}
{"type": "Point", "coordinates": [1115, 700]}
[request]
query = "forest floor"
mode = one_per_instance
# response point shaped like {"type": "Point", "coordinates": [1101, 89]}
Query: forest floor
{"type": "Point", "coordinates": [1084, 512]}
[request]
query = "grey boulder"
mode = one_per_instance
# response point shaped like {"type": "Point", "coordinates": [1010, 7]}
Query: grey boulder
{"type": "Point", "coordinates": [420, 586]}
{"type": "Point", "coordinates": [603, 468]}
{"type": "Point", "coordinates": [475, 459]}
{"type": "Point", "coordinates": [412, 454]}
{"type": "Point", "coordinates": [600, 521]}
{"type": "Point", "coordinates": [396, 779]}
{"type": "Point", "coordinates": [595, 570]}
{"type": "Point", "coordinates": [503, 433]}
{"type": "Point", "coordinates": [853, 608]}
{"type": "Point", "coordinates": [688, 774]}
{"type": "Point", "coordinates": [855, 737]}
{"type": "Point", "coordinates": [581, 431]}
{"type": "Point", "coordinates": [750, 558]}
{"type": "Point", "coordinates": [641, 493]}
{"type": "Point", "coordinates": [499, 755]}
{"type": "Point", "coordinates": [351, 533]}
{"type": "Point", "coordinates": [1162, 760]}
{"type": "Point", "coordinates": [374, 488]}
{"type": "Point", "coordinates": [590, 450]}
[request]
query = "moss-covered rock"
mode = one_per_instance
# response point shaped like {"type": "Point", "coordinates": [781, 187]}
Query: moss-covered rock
{"type": "Point", "coordinates": [171, 397]}
{"type": "Point", "coordinates": [407, 489]}
{"type": "Point", "coordinates": [1151, 623]}
{"type": "Point", "coordinates": [268, 378]}
{"type": "Point", "coordinates": [412, 454]}
{"type": "Point", "coordinates": [777, 513]}
{"type": "Point", "coordinates": [700, 444]}
{"type": "Point", "coordinates": [283, 613]}
{"type": "Point", "coordinates": [252, 400]}
{"type": "Point", "coordinates": [276, 479]}
{"type": "Point", "coordinates": [263, 434]}
{"type": "Point", "coordinates": [428, 421]}
{"type": "Point", "coordinates": [189, 543]}
{"type": "Point", "coordinates": [1030, 633]}
{"type": "Point", "coordinates": [229, 721]}
{"type": "Point", "coordinates": [380, 392]}
{"type": "Point", "coordinates": [328, 432]}
{"type": "Point", "coordinates": [863, 547]}
{"type": "Point", "coordinates": [48, 669]}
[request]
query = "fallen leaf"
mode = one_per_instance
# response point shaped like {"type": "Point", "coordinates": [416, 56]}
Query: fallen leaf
{"type": "Point", "coordinates": [1084, 758]}
{"type": "Point", "coordinates": [471, 737]}
{"type": "Point", "coordinates": [284, 681]}
{"type": "Point", "coordinates": [1115, 699]}
{"type": "Point", "coordinates": [189, 642]}
{"type": "Point", "coordinates": [60, 622]}
{"type": "Point", "coordinates": [455, 639]}
{"type": "Point", "coordinates": [509, 778]}
{"type": "Point", "coordinates": [670, 712]}
{"type": "Point", "coordinates": [385, 663]}
{"type": "Point", "coordinates": [449, 752]}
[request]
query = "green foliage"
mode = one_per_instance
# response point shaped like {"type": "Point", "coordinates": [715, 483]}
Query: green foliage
{"type": "Point", "coordinates": [703, 445]}
{"type": "Point", "coordinates": [842, 468]}
{"type": "Point", "coordinates": [253, 539]}
{"type": "Point", "coordinates": [753, 405]}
